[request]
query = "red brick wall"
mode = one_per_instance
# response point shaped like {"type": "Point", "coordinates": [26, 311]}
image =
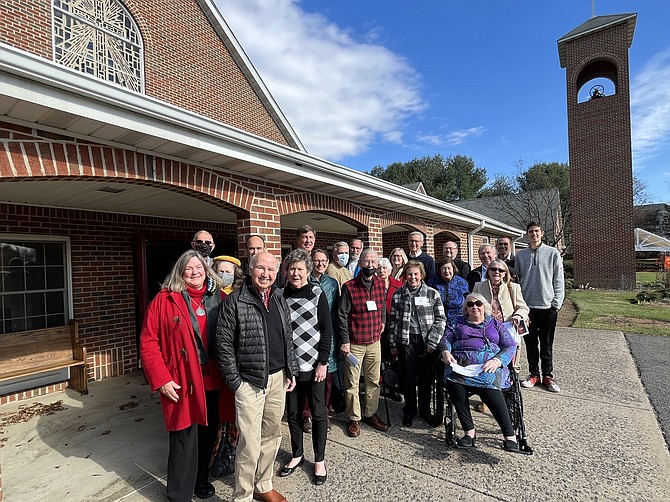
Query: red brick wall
{"type": "Point", "coordinates": [186, 63]}
{"type": "Point", "coordinates": [601, 166]}
{"type": "Point", "coordinates": [102, 265]}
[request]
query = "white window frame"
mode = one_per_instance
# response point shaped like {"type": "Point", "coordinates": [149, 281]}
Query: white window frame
{"type": "Point", "coordinates": [68, 262]}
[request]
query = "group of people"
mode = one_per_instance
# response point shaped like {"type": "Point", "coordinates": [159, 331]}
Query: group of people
{"type": "Point", "coordinates": [244, 343]}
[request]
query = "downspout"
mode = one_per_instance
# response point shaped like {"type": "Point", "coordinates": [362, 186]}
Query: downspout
{"type": "Point", "coordinates": [514, 243]}
{"type": "Point", "coordinates": [471, 233]}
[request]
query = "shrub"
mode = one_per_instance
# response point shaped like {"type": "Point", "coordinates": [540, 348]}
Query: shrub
{"type": "Point", "coordinates": [568, 269]}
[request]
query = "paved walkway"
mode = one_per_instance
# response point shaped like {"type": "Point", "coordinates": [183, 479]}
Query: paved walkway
{"type": "Point", "coordinates": [598, 439]}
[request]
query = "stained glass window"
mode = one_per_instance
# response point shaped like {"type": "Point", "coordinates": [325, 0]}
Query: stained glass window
{"type": "Point", "coordinates": [99, 37]}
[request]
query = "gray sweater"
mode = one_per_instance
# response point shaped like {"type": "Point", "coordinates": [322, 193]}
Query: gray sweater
{"type": "Point", "coordinates": [540, 273]}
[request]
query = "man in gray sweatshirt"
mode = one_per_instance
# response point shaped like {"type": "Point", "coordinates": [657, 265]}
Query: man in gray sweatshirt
{"type": "Point", "coordinates": [540, 273]}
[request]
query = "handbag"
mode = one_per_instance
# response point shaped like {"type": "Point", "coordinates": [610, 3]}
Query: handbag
{"type": "Point", "coordinates": [224, 460]}
{"type": "Point", "coordinates": [391, 377]}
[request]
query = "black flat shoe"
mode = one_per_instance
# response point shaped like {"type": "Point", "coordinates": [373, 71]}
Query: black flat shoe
{"type": "Point", "coordinates": [429, 418]}
{"type": "Point", "coordinates": [467, 442]}
{"type": "Point", "coordinates": [320, 480]}
{"type": "Point", "coordinates": [407, 421]}
{"type": "Point", "coordinates": [204, 490]}
{"type": "Point", "coordinates": [287, 471]}
{"type": "Point", "coordinates": [511, 446]}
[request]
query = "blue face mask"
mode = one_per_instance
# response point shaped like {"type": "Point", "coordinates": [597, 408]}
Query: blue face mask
{"type": "Point", "coordinates": [226, 278]}
{"type": "Point", "coordinates": [343, 259]}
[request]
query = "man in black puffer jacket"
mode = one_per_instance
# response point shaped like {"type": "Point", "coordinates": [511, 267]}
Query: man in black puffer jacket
{"type": "Point", "coordinates": [255, 352]}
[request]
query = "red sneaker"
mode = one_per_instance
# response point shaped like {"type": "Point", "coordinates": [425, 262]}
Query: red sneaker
{"type": "Point", "coordinates": [530, 381]}
{"type": "Point", "coordinates": [551, 384]}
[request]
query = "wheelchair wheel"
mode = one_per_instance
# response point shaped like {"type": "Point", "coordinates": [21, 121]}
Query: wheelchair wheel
{"type": "Point", "coordinates": [449, 420]}
{"type": "Point", "coordinates": [514, 401]}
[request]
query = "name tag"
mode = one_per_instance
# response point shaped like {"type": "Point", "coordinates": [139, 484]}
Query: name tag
{"type": "Point", "coordinates": [421, 301]}
{"type": "Point", "coordinates": [372, 305]}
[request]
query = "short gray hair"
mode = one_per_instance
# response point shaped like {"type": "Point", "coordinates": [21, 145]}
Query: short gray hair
{"type": "Point", "coordinates": [368, 251]}
{"type": "Point", "coordinates": [385, 262]}
{"type": "Point", "coordinates": [299, 255]}
{"type": "Point", "coordinates": [340, 244]}
{"type": "Point", "coordinates": [476, 296]}
{"type": "Point", "coordinates": [416, 232]}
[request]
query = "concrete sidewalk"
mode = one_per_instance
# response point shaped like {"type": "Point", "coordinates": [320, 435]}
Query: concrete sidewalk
{"type": "Point", "coordinates": [597, 440]}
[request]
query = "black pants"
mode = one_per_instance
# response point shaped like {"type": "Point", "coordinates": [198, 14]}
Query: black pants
{"type": "Point", "coordinates": [492, 398]}
{"type": "Point", "coordinates": [190, 453]}
{"type": "Point", "coordinates": [416, 366]}
{"type": "Point", "coordinates": [182, 464]}
{"type": "Point", "coordinates": [541, 331]}
{"type": "Point", "coordinates": [207, 435]}
{"type": "Point", "coordinates": [315, 392]}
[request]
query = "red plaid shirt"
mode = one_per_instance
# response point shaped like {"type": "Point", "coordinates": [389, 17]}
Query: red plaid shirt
{"type": "Point", "coordinates": [358, 325]}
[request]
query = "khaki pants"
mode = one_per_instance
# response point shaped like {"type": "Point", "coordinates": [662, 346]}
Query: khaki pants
{"type": "Point", "coordinates": [258, 413]}
{"type": "Point", "coordinates": [370, 357]}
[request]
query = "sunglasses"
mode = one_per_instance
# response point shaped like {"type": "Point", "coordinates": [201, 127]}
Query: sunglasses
{"type": "Point", "coordinates": [474, 304]}
{"type": "Point", "coordinates": [498, 270]}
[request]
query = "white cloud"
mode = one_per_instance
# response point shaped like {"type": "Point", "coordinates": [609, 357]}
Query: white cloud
{"type": "Point", "coordinates": [459, 137]}
{"type": "Point", "coordinates": [340, 93]}
{"type": "Point", "coordinates": [650, 107]}
{"type": "Point", "coordinates": [452, 138]}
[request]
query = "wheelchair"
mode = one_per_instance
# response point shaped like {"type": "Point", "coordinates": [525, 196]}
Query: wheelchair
{"type": "Point", "coordinates": [513, 399]}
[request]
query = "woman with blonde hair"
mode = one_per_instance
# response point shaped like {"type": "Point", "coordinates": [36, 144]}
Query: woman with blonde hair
{"type": "Point", "coordinates": [398, 259]}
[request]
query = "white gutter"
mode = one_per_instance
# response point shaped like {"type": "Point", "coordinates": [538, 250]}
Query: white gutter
{"type": "Point", "coordinates": [471, 240]}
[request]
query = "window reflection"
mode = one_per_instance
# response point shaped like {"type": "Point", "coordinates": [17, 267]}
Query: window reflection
{"type": "Point", "coordinates": [33, 283]}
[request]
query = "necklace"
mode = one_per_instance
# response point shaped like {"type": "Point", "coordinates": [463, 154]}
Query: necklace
{"type": "Point", "coordinates": [199, 311]}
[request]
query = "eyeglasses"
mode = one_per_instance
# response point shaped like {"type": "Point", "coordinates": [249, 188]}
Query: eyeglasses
{"type": "Point", "coordinates": [198, 241]}
{"type": "Point", "coordinates": [497, 270]}
{"type": "Point", "coordinates": [474, 304]}
{"type": "Point", "coordinates": [320, 261]}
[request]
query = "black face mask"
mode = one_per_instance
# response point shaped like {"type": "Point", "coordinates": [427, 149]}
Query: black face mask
{"type": "Point", "coordinates": [368, 272]}
{"type": "Point", "coordinates": [203, 249]}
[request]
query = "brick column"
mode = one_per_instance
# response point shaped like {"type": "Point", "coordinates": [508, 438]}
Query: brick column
{"type": "Point", "coordinates": [263, 219]}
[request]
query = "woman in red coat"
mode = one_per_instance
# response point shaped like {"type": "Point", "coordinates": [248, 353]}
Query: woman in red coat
{"type": "Point", "coordinates": [390, 285]}
{"type": "Point", "coordinates": [177, 349]}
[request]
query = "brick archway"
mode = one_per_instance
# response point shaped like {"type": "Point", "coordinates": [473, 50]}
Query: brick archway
{"type": "Point", "coordinates": [28, 156]}
{"type": "Point", "coordinates": [299, 202]}
{"type": "Point", "coordinates": [402, 219]}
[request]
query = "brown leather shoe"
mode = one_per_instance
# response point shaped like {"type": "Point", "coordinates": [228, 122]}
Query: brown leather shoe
{"type": "Point", "coordinates": [376, 423]}
{"type": "Point", "coordinates": [271, 496]}
{"type": "Point", "coordinates": [354, 429]}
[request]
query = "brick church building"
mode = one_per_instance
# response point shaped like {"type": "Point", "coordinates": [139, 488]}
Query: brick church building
{"type": "Point", "coordinates": [125, 127]}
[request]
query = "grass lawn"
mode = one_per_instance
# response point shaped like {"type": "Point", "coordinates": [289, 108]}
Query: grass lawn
{"type": "Point", "coordinates": [618, 310]}
{"type": "Point", "coordinates": [648, 279]}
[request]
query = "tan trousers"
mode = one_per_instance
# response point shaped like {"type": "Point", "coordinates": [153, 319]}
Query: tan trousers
{"type": "Point", "coordinates": [370, 357]}
{"type": "Point", "coordinates": [258, 414]}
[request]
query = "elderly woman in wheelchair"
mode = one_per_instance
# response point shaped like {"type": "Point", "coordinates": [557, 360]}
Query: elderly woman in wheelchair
{"type": "Point", "coordinates": [477, 352]}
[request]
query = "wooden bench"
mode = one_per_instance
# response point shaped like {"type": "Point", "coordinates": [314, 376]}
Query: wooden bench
{"type": "Point", "coordinates": [28, 353]}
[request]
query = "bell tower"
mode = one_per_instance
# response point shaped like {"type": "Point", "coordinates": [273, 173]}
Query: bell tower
{"type": "Point", "coordinates": [599, 139]}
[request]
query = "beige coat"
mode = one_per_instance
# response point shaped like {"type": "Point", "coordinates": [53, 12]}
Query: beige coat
{"type": "Point", "coordinates": [511, 299]}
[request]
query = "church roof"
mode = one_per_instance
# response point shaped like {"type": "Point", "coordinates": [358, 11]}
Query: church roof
{"type": "Point", "coordinates": [594, 24]}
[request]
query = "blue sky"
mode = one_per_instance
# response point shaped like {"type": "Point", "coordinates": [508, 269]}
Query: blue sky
{"type": "Point", "coordinates": [371, 82]}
